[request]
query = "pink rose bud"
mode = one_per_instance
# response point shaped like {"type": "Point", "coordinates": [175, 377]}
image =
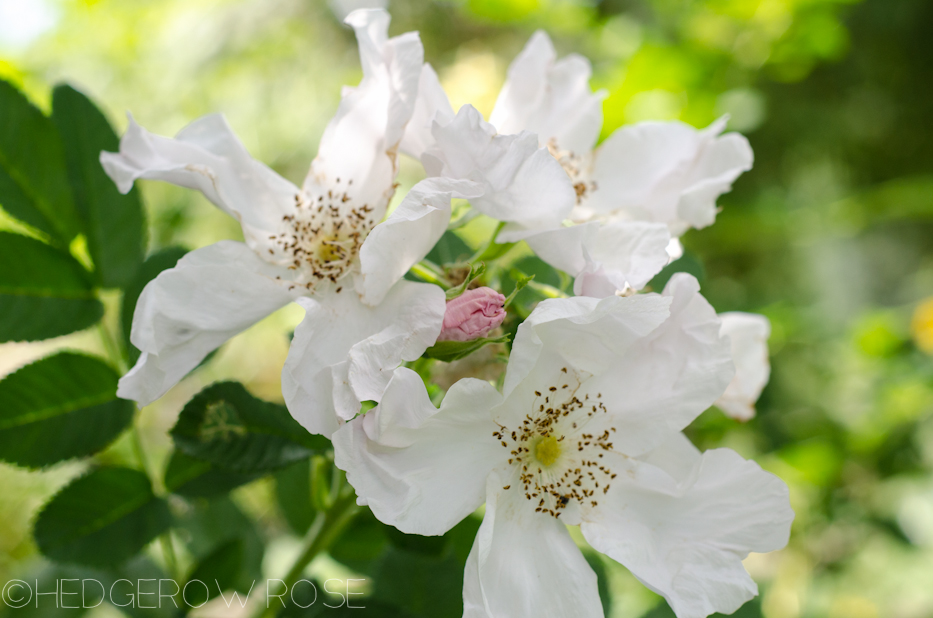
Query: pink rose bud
{"type": "Point", "coordinates": [472, 315]}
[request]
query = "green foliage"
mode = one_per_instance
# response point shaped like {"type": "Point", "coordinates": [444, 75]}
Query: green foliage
{"type": "Point", "coordinates": [61, 407]}
{"type": "Point", "coordinates": [113, 223]}
{"type": "Point", "coordinates": [448, 351]}
{"type": "Point", "coordinates": [196, 478]}
{"type": "Point", "coordinates": [293, 494]}
{"type": "Point", "coordinates": [44, 292]}
{"type": "Point", "coordinates": [33, 180]}
{"type": "Point", "coordinates": [101, 519]}
{"type": "Point", "coordinates": [228, 427]}
{"type": "Point", "coordinates": [58, 408]}
{"type": "Point", "coordinates": [220, 570]}
{"type": "Point", "coordinates": [423, 585]}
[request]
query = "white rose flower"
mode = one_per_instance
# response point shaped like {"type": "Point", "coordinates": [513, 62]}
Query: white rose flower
{"type": "Point", "coordinates": [321, 245]}
{"type": "Point", "coordinates": [586, 432]}
{"type": "Point", "coordinates": [664, 175]}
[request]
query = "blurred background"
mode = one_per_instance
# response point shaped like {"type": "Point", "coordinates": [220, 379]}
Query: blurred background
{"type": "Point", "coordinates": [830, 235]}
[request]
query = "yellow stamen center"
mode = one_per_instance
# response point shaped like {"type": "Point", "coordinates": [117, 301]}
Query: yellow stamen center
{"type": "Point", "coordinates": [547, 451]}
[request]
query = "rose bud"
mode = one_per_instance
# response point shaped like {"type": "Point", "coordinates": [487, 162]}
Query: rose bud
{"type": "Point", "coordinates": [472, 315]}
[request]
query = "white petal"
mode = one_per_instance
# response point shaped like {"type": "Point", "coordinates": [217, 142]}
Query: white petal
{"type": "Point", "coordinates": [418, 468]}
{"type": "Point", "coordinates": [563, 247]}
{"type": "Point", "coordinates": [685, 538]}
{"type": "Point", "coordinates": [748, 333]}
{"type": "Point", "coordinates": [667, 172]}
{"type": "Point", "coordinates": [361, 140]}
{"type": "Point", "coordinates": [588, 333]}
{"type": "Point", "coordinates": [668, 378]}
{"type": "Point", "coordinates": [432, 103]}
{"type": "Point", "coordinates": [410, 232]}
{"type": "Point", "coordinates": [676, 455]}
{"type": "Point", "coordinates": [524, 185]}
{"type": "Point", "coordinates": [637, 250]}
{"type": "Point", "coordinates": [208, 157]}
{"type": "Point", "coordinates": [654, 373]}
{"type": "Point", "coordinates": [187, 311]}
{"type": "Point", "coordinates": [550, 98]}
{"type": "Point", "coordinates": [525, 564]}
{"type": "Point", "coordinates": [373, 341]}
{"type": "Point", "coordinates": [606, 257]}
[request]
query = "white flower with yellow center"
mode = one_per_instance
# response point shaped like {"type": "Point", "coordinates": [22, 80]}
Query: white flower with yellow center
{"type": "Point", "coordinates": [586, 432]}
{"type": "Point", "coordinates": [323, 245]}
{"type": "Point", "coordinates": [634, 195]}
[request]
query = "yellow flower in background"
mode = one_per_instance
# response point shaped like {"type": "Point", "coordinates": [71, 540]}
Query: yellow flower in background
{"type": "Point", "coordinates": [921, 326]}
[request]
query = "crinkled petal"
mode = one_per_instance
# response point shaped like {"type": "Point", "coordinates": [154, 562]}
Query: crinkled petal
{"type": "Point", "coordinates": [654, 371]}
{"type": "Point", "coordinates": [432, 104]}
{"type": "Point", "coordinates": [550, 97]}
{"type": "Point", "coordinates": [685, 537]}
{"type": "Point", "coordinates": [361, 141]}
{"type": "Point", "coordinates": [667, 379]}
{"type": "Point", "coordinates": [606, 257]}
{"type": "Point", "coordinates": [524, 185]}
{"type": "Point", "coordinates": [667, 172]}
{"type": "Point", "coordinates": [588, 333]}
{"type": "Point", "coordinates": [373, 341]}
{"type": "Point", "coordinates": [748, 334]}
{"type": "Point", "coordinates": [563, 247]}
{"type": "Point", "coordinates": [208, 157]}
{"type": "Point", "coordinates": [187, 311]}
{"type": "Point", "coordinates": [525, 563]}
{"type": "Point", "coordinates": [409, 233]}
{"type": "Point", "coordinates": [418, 468]}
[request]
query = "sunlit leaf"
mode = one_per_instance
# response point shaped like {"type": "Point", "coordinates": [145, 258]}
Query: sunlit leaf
{"type": "Point", "coordinates": [113, 223]}
{"type": "Point", "coordinates": [58, 408]}
{"type": "Point", "coordinates": [44, 292]}
{"type": "Point", "coordinates": [33, 182]}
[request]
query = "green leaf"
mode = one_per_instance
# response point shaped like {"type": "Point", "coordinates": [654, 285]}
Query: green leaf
{"type": "Point", "coordinates": [602, 583]}
{"type": "Point", "coordinates": [362, 543]}
{"type": "Point", "coordinates": [293, 493]}
{"type": "Point", "coordinates": [423, 585]}
{"type": "Point", "coordinates": [150, 269]}
{"type": "Point", "coordinates": [448, 351]}
{"type": "Point", "coordinates": [114, 224]}
{"type": "Point", "coordinates": [195, 478]}
{"type": "Point", "coordinates": [58, 408]}
{"type": "Point", "coordinates": [33, 181]}
{"type": "Point", "coordinates": [687, 263]}
{"type": "Point", "coordinates": [449, 249]}
{"type": "Point", "coordinates": [220, 571]}
{"type": "Point", "coordinates": [44, 292]}
{"type": "Point", "coordinates": [212, 523]}
{"type": "Point", "coordinates": [101, 519]}
{"type": "Point", "coordinates": [228, 427]}
{"type": "Point", "coordinates": [752, 609]}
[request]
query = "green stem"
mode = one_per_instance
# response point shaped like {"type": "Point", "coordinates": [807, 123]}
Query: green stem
{"type": "Point", "coordinates": [168, 553]}
{"type": "Point", "coordinates": [111, 347]}
{"type": "Point", "coordinates": [482, 251]}
{"type": "Point", "coordinates": [327, 527]}
{"type": "Point", "coordinates": [431, 273]}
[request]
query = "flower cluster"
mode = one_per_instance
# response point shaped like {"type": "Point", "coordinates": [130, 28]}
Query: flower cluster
{"type": "Point", "coordinates": [586, 429]}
